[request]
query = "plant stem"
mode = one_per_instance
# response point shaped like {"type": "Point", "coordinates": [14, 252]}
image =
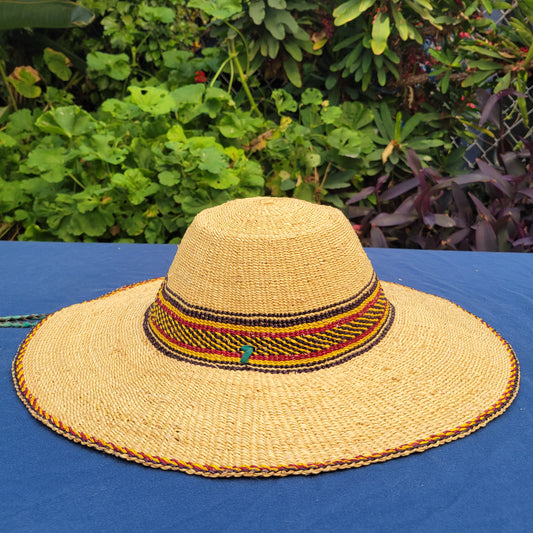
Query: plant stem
{"type": "Point", "coordinates": [76, 180]}
{"type": "Point", "coordinates": [244, 83]}
{"type": "Point", "coordinates": [10, 97]}
{"type": "Point", "coordinates": [218, 72]}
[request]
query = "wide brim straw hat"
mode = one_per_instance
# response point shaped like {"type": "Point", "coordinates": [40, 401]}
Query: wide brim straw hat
{"type": "Point", "coordinates": [270, 348]}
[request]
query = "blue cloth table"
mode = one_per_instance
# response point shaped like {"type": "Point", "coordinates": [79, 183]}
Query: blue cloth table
{"type": "Point", "coordinates": [483, 482]}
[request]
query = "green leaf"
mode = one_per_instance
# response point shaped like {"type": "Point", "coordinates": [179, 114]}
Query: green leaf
{"type": "Point", "coordinates": [237, 124]}
{"type": "Point", "coordinates": [445, 82]}
{"type": "Point", "coordinates": [476, 78]}
{"type": "Point", "coordinates": [57, 63]}
{"type": "Point", "coordinates": [311, 96]}
{"type": "Point", "coordinates": [312, 160]}
{"type": "Point", "coordinates": [92, 224]}
{"type": "Point", "coordinates": [219, 9]}
{"type": "Point", "coordinates": [104, 148]}
{"type": "Point", "coordinates": [284, 101]}
{"type": "Point", "coordinates": [401, 23]}
{"type": "Point", "coordinates": [139, 187]}
{"type": "Point", "coordinates": [42, 14]}
{"type": "Point", "coordinates": [351, 10]}
{"type": "Point", "coordinates": [165, 15]}
{"type": "Point", "coordinates": [25, 86]}
{"type": "Point", "coordinates": [176, 134]}
{"type": "Point", "coordinates": [277, 4]}
{"type": "Point", "coordinates": [349, 143]}
{"type": "Point", "coordinates": [380, 33]}
{"type": "Point", "coordinates": [257, 11]}
{"type": "Point", "coordinates": [175, 58]}
{"type": "Point", "coordinates": [50, 162]}
{"type": "Point", "coordinates": [188, 94]}
{"type": "Point", "coordinates": [223, 180]}
{"type": "Point", "coordinates": [484, 64]}
{"type": "Point", "coordinates": [294, 50]}
{"type": "Point", "coordinates": [69, 121]}
{"type": "Point", "coordinates": [293, 73]}
{"type": "Point", "coordinates": [304, 191]}
{"type": "Point", "coordinates": [503, 83]}
{"type": "Point", "coordinates": [331, 114]}
{"type": "Point", "coordinates": [6, 140]}
{"type": "Point", "coordinates": [169, 178]}
{"type": "Point", "coordinates": [152, 100]}
{"type": "Point", "coordinates": [116, 66]}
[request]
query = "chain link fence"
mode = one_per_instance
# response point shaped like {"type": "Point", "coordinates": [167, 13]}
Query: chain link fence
{"type": "Point", "coordinates": [514, 128]}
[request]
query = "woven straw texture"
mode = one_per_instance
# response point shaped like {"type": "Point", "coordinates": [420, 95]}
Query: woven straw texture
{"type": "Point", "coordinates": [431, 374]}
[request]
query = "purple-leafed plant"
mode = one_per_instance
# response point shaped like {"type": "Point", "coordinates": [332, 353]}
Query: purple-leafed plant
{"type": "Point", "coordinates": [485, 210]}
{"type": "Point", "coordinates": [489, 209]}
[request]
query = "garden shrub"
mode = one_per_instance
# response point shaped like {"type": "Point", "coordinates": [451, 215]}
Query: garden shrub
{"type": "Point", "coordinates": [125, 129]}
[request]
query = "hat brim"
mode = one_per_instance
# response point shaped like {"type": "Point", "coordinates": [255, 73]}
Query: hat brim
{"type": "Point", "coordinates": [89, 372]}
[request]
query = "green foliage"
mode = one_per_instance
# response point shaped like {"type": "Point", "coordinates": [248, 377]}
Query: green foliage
{"type": "Point", "coordinates": [132, 171]}
{"type": "Point", "coordinates": [42, 14]}
{"type": "Point", "coordinates": [127, 128]}
{"type": "Point", "coordinates": [140, 167]}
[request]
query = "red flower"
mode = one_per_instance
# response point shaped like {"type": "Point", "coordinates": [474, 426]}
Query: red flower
{"type": "Point", "coordinates": [199, 76]}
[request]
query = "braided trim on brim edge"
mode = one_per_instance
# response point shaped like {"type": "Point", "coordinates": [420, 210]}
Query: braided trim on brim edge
{"type": "Point", "coordinates": [163, 463]}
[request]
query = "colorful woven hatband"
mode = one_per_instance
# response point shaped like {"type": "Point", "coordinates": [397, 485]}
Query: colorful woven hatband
{"type": "Point", "coordinates": [270, 348]}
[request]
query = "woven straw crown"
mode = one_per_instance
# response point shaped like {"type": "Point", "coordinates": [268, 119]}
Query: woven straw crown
{"type": "Point", "coordinates": [270, 348]}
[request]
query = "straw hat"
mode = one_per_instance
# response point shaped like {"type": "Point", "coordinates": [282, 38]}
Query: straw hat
{"type": "Point", "coordinates": [270, 348]}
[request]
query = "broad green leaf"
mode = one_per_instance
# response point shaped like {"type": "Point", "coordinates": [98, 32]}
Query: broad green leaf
{"type": "Point", "coordinates": [284, 101]}
{"type": "Point", "coordinates": [331, 114]}
{"type": "Point", "coordinates": [152, 100]}
{"type": "Point", "coordinates": [277, 4]}
{"type": "Point", "coordinates": [69, 121]}
{"type": "Point", "coordinates": [351, 10]}
{"type": "Point", "coordinates": [237, 124]}
{"type": "Point", "coordinates": [6, 140]}
{"type": "Point", "coordinates": [57, 63]}
{"type": "Point", "coordinates": [311, 96]}
{"type": "Point", "coordinates": [176, 134]}
{"type": "Point", "coordinates": [103, 147]}
{"type": "Point", "coordinates": [169, 178]}
{"type": "Point", "coordinates": [25, 85]}
{"type": "Point", "coordinates": [274, 25]}
{"type": "Point", "coordinates": [116, 66]}
{"type": "Point", "coordinates": [219, 9]}
{"type": "Point", "coordinates": [312, 160]}
{"type": "Point", "coordinates": [293, 72]}
{"type": "Point", "coordinates": [165, 15]}
{"type": "Point", "coordinates": [294, 50]}
{"type": "Point", "coordinates": [380, 33]}
{"type": "Point", "coordinates": [349, 143]}
{"type": "Point", "coordinates": [42, 14]}
{"type": "Point", "coordinates": [224, 179]}
{"type": "Point", "coordinates": [93, 224]}
{"type": "Point", "coordinates": [188, 94]}
{"type": "Point", "coordinates": [139, 187]}
{"type": "Point", "coordinates": [50, 162]}
{"type": "Point", "coordinates": [257, 11]}
{"type": "Point", "coordinates": [211, 158]}
{"type": "Point", "coordinates": [175, 58]}
{"type": "Point", "coordinates": [304, 191]}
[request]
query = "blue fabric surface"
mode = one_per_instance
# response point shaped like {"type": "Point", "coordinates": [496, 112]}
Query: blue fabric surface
{"type": "Point", "coordinates": [483, 482]}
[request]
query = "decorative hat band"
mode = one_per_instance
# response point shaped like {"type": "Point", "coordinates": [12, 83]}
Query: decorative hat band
{"type": "Point", "coordinates": [269, 342]}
